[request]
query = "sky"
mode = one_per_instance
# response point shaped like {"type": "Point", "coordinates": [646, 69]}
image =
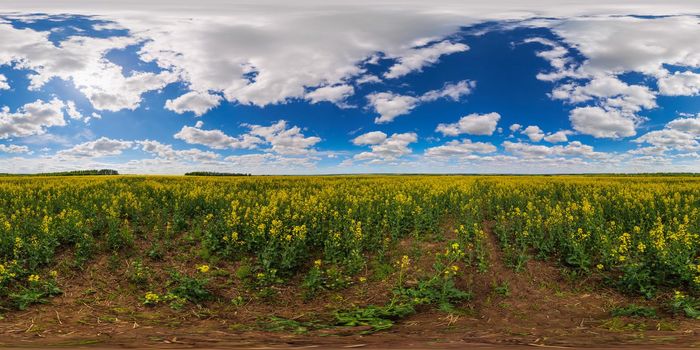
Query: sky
{"type": "Point", "coordinates": [335, 87]}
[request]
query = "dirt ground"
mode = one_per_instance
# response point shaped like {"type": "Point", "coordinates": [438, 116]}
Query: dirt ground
{"type": "Point", "coordinates": [541, 308]}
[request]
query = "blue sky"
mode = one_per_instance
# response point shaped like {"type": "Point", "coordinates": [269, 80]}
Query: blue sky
{"type": "Point", "coordinates": [301, 91]}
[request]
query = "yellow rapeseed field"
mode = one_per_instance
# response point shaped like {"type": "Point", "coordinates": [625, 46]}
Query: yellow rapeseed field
{"type": "Point", "coordinates": [639, 232]}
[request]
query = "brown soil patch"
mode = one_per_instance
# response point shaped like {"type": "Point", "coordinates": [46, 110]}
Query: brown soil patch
{"type": "Point", "coordinates": [541, 308]}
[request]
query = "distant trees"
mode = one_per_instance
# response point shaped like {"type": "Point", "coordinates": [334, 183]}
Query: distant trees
{"type": "Point", "coordinates": [211, 173]}
{"type": "Point", "coordinates": [72, 173]}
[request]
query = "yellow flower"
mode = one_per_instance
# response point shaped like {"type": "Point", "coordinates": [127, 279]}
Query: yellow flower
{"type": "Point", "coordinates": [405, 261]}
{"type": "Point", "coordinates": [203, 268]}
{"type": "Point", "coordinates": [600, 266]}
{"type": "Point", "coordinates": [152, 298]}
{"type": "Point", "coordinates": [53, 273]}
{"type": "Point", "coordinates": [33, 278]}
{"type": "Point", "coordinates": [363, 279]}
{"type": "Point", "coordinates": [318, 263]}
{"type": "Point", "coordinates": [641, 247]}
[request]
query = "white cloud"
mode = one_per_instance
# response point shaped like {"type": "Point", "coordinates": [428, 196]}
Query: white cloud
{"type": "Point", "coordinates": [370, 138]}
{"type": "Point", "coordinates": [473, 124]}
{"type": "Point", "coordinates": [80, 60]}
{"type": "Point", "coordinates": [572, 149]}
{"type": "Point", "coordinates": [281, 139]}
{"type": "Point", "coordinates": [193, 101]}
{"type": "Point", "coordinates": [31, 119]}
{"type": "Point", "coordinates": [670, 138]}
{"type": "Point", "coordinates": [389, 149]}
{"type": "Point", "coordinates": [332, 93]}
{"type": "Point", "coordinates": [680, 84]}
{"type": "Point", "coordinates": [452, 91]}
{"type": "Point", "coordinates": [688, 125]}
{"type": "Point", "coordinates": [167, 152]}
{"type": "Point", "coordinates": [266, 161]}
{"type": "Point", "coordinates": [216, 139]}
{"type": "Point", "coordinates": [527, 150]}
{"type": "Point", "coordinates": [367, 79]}
{"type": "Point", "coordinates": [679, 134]}
{"type": "Point", "coordinates": [101, 147]}
{"type": "Point", "coordinates": [534, 133]}
{"type": "Point", "coordinates": [614, 45]}
{"type": "Point", "coordinates": [4, 85]}
{"type": "Point", "coordinates": [416, 59]}
{"type": "Point", "coordinates": [515, 127]}
{"type": "Point", "coordinates": [557, 56]}
{"type": "Point", "coordinates": [599, 123]}
{"type": "Point", "coordinates": [612, 93]}
{"type": "Point", "coordinates": [116, 92]}
{"type": "Point", "coordinates": [285, 141]}
{"type": "Point", "coordinates": [460, 148]}
{"type": "Point", "coordinates": [73, 113]}
{"type": "Point", "coordinates": [14, 149]}
{"type": "Point", "coordinates": [255, 56]}
{"type": "Point", "coordinates": [107, 26]}
{"type": "Point", "coordinates": [559, 136]}
{"type": "Point", "coordinates": [389, 105]}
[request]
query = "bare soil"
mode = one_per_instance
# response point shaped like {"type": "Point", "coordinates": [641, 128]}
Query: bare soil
{"type": "Point", "coordinates": [542, 308]}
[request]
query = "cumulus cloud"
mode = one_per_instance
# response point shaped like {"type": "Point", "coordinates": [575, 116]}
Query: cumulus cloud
{"type": "Point", "coordinates": [611, 91]}
{"type": "Point", "coordinates": [216, 139]}
{"type": "Point", "coordinates": [601, 123]}
{"type": "Point", "coordinates": [167, 152]}
{"type": "Point", "coordinates": [450, 91]}
{"type": "Point", "coordinates": [367, 79]}
{"type": "Point", "coordinates": [334, 94]}
{"type": "Point", "coordinates": [688, 125]}
{"type": "Point", "coordinates": [370, 138]}
{"type": "Point", "coordinates": [193, 101]}
{"type": "Point", "coordinates": [559, 136]}
{"type": "Point", "coordinates": [680, 84]}
{"type": "Point", "coordinates": [31, 119]}
{"type": "Point", "coordinates": [389, 149]}
{"type": "Point", "coordinates": [255, 56]}
{"type": "Point", "coordinates": [283, 140]}
{"type": "Point", "coordinates": [389, 105]}
{"type": "Point", "coordinates": [534, 133]}
{"type": "Point", "coordinates": [101, 147]}
{"type": "Point", "coordinates": [670, 138]}
{"type": "Point", "coordinates": [573, 149]}
{"type": "Point", "coordinates": [457, 148]}
{"type": "Point", "coordinates": [280, 138]}
{"type": "Point", "coordinates": [679, 134]}
{"type": "Point", "coordinates": [614, 44]}
{"type": "Point", "coordinates": [262, 161]}
{"type": "Point", "coordinates": [416, 59]}
{"type": "Point", "coordinates": [558, 58]}
{"type": "Point", "coordinates": [80, 60]}
{"type": "Point", "coordinates": [473, 124]}
{"type": "Point", "coordinates": [4, 85]}
{"type": "Point", "coordinates": [14, 149]}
